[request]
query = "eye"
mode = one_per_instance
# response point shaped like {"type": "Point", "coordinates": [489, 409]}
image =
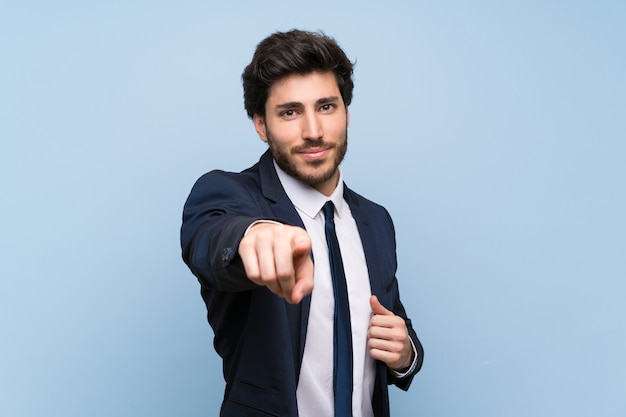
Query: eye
{"type": "Point", "coordinates": [288, 114]}
{"type": "Point", "coordinates": [328, 107]}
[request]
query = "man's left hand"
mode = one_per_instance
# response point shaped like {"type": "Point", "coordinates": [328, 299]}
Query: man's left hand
{"type": "Point", "coordinates": [388, 338]}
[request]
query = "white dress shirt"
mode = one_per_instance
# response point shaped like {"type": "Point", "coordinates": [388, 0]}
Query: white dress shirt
{"type": "Point", "coordinates": [315, 387]}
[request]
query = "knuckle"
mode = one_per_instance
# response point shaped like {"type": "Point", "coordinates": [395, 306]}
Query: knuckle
{"type": "Point", "coordinates": [284, 274]}
{"type": "Point", "coordinates": [245, 244]}
{"type": "Point", "coordinates": [267, 279]}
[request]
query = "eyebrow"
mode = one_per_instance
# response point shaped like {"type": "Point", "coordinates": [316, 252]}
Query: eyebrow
{"type": "Point", "coordinates": [297, 104]}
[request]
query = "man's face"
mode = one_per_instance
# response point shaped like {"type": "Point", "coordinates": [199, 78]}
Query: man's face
{"type": "Point", "coordinates": [306, 126]}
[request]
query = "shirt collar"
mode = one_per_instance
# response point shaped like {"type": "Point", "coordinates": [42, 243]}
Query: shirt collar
{"type": "Point", "coordinates": [308, 199]}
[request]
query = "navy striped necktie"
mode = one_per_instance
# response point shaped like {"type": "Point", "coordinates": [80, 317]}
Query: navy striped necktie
{"type": "Point", "coordinates": [342, 334]}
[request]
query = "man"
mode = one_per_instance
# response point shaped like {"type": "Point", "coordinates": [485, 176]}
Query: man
{"type": "Point", "coordinates": [301, 293]}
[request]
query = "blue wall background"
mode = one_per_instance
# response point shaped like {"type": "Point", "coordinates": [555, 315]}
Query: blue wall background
{"type": "Point", "coordinates": [505, 120]}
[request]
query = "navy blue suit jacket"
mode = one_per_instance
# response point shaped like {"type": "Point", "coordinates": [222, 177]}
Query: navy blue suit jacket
{"type": "Point", "coordinates": [259, 336]}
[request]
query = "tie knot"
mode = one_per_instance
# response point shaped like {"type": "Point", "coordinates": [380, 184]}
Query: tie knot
{"type": "Point", "coordinates": [329, 210]}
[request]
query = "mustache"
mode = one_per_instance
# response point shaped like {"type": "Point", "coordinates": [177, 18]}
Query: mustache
{"type": "Point", "coordinates": [317, 143]}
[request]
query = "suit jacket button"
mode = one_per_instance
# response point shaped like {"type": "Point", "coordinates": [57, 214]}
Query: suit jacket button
{"type": "Point", "coordinates": [226, 253]}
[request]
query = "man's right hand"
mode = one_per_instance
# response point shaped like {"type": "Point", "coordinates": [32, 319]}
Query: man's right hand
{"type": "Point", "coordinates": [278, 257]}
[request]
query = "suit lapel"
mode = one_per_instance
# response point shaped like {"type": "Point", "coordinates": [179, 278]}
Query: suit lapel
{"type": "Point", "coordinates": [368, 239]}
{"type": "Point", "coordinates": [283, 209]}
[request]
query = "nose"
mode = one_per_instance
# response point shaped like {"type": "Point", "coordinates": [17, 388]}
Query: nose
{"type": "Point", "coordinates": [312, 127]}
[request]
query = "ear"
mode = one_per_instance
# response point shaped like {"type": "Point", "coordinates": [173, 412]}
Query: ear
{"type": "Point", "coordinates": [259, 126]}
{"type": "Point", "coordinates": [347, 117]}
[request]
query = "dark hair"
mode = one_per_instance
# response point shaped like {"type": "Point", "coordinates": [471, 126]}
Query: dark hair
{"type": "Point", "coordinates": [294, 52]}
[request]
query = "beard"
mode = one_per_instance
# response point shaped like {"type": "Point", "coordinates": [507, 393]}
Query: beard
{"type": "Point", "coordinates": [285, 159]}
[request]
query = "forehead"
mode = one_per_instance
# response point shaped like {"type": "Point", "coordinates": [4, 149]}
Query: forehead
{"type": "Point", "coordinates": [303, 88]}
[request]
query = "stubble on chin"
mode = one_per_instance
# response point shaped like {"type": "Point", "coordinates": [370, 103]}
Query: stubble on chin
{"type": "Point", "coordinates": [285, 159]}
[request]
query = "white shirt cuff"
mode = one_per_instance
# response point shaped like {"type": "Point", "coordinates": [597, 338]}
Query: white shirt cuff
{"type": "Point", "coordinates": [411, 368]}
{"type": "Point", "coordinates": [259, 221]}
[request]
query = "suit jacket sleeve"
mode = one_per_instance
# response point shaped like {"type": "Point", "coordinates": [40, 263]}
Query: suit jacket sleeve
{"type": "Point", "coordinates": [219, 209]}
